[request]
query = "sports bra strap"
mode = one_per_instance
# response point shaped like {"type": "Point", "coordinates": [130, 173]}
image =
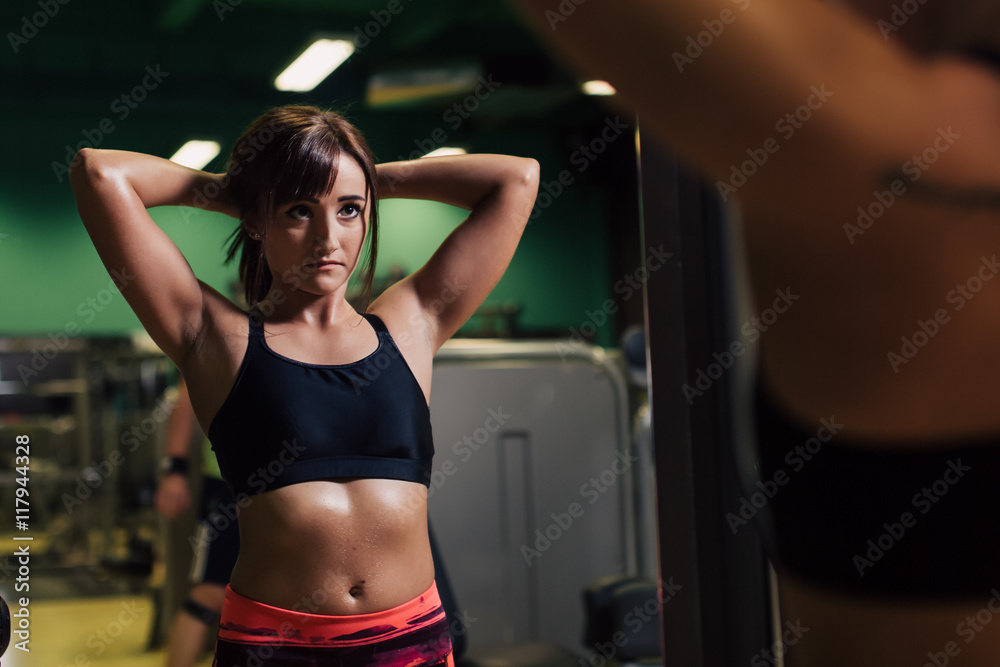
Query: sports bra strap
{"type": "Point", "coordinates": [376, 322]}
{"type": "Point", "coordinates": [256, 322]}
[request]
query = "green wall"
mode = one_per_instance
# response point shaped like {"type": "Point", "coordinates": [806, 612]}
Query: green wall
{"type": "Point", "coordinates": [53, 278]}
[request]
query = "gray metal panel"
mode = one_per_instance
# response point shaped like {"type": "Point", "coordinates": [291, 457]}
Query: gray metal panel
{"type": "Point", "coordinates": [524, 433]}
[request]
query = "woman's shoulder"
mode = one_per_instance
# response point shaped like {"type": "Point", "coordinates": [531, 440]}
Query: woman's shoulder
{"type": "Point", "coordinates": [400, 309]}
{"type": "Point", "coordinates": [411, 329]}
{"type": "Point", "coordinates": [220, 345]}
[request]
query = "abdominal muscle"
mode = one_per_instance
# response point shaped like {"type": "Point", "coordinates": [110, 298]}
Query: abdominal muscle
{"type": "Point", "coordinates": [335, 547]}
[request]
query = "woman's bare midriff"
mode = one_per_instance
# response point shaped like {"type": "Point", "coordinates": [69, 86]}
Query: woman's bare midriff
{"type": "Point", "coordinates": [335, 547]}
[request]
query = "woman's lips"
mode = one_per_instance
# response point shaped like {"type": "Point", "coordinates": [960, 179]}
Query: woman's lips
{"type": "Point", "coordinates": [323, 265]}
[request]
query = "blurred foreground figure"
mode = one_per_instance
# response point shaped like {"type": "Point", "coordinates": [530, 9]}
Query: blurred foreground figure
{"type": "Point", "coordinates": [860, 143]}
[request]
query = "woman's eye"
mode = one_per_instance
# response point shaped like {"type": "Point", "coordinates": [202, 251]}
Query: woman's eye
{"type": "Point", "coordinates": [350, 211]}
{"type": "Point", "coordinates": [299, 212]}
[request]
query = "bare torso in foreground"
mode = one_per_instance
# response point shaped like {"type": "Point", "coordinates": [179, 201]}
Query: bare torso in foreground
{"type": "Point", "coordinates": [893, 331]}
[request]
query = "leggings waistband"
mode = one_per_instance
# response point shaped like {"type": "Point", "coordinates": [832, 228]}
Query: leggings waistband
{"type": "Point", "coordinates": [246, 620]}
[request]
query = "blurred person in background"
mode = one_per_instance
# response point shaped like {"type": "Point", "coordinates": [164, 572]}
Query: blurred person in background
{"type": "Point", "coordinates": [216, 542]}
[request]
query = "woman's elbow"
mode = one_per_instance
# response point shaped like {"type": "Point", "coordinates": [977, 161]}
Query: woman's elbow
{"type": "Point", "coordinates": [526, 177]}
{"type": "Point", "coordinates": [531, 170]}
{"type": "Point", "coordinates": [85, 166]}
{"type": "Point", "coordinates": [529, 173]}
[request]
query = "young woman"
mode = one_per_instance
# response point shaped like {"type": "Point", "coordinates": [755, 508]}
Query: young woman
{"type": "Point", "coordinates": [318, 413]}
{"type": "Point", "coordinates": [861, 142]}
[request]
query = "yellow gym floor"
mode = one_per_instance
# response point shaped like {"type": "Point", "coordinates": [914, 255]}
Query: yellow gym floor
{"type": "Point", "coordinates": [93, 632]}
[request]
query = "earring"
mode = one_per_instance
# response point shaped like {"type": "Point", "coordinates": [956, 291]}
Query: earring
{"type": "Point", "coordinates": [255, 236]}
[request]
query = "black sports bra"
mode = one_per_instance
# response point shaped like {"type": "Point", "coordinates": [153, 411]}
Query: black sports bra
{"type": "Point", "coordinates": [855, 516]}
{"type": "Point", "coordinates": [287, 421]}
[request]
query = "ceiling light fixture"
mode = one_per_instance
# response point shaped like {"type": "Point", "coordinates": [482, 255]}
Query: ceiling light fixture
{"type": "Point", "coordinates": [598, 88]}
{"type": "Point", "coordinates": [315, 64]}
{"type": "Point", "coordinates": [196, 154]}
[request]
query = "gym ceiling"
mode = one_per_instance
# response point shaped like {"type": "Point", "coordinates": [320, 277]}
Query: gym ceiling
{"type": "Point", "coordinates": [67, 64]}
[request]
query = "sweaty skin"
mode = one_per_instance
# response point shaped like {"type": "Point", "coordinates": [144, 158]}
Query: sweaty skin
{"type": "Point", "coordinates": [337, 546]}
{"type": "Point", "coordinates": [367, 546]}
{"type": "Point", "coordinates": [333, 546]}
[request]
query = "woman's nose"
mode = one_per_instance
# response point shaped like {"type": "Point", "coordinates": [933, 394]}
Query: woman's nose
{"type": "Point", "coordinates": [326, 234]}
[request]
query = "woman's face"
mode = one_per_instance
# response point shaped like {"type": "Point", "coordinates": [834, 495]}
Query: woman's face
{"type": "Point", "coordinates": [313, 245]}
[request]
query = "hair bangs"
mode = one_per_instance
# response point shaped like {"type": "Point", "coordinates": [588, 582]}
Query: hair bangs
{"type": "Point", "coordinates": [308, 169]}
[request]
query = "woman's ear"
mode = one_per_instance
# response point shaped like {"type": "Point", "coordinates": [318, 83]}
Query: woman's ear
{"type": "Point", "coordinates": [252, 229]}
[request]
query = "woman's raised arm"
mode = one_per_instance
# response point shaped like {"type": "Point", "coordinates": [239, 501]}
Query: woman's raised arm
{"type": "Point", "coordinates": [113, 190]}
{"type": "Point", "coordinates": [499, 190]}
{"type": "Point", "coordinates": [794, 106]}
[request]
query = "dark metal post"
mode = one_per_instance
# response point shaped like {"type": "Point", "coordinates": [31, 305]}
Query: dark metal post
{"type": "Point", "coordinates": [721, 615]}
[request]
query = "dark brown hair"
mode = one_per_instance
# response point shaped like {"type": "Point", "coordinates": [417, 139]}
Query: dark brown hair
{"type": "Point", "coordinates": [289, 154]}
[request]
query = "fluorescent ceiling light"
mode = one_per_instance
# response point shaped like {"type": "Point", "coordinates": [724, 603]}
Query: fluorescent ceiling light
{"type": "Point", "coordinates": [446, 150]}
{"type": "Point", "coordinates": [315, 64]}
{"type": "Point", "coordinates": [598, 88]}
{"type": "Point", "coordinates": [419, 84]}
{"type": "Point", "coordinates": [196, 154]}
